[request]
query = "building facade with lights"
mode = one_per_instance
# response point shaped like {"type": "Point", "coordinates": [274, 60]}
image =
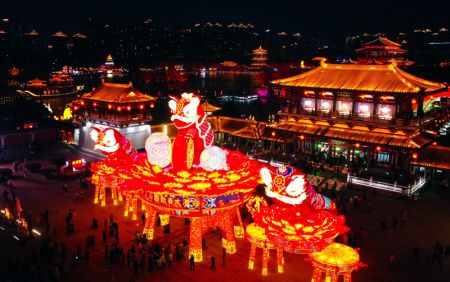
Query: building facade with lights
{"type": "Point", "coordinates": [377, 115]}
{"type": "Point", "coordinates": [114, 105]}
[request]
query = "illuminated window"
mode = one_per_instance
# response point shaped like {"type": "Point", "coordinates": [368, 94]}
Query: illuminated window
{"type": "Point", "coordinates": [383, 157]}
{"type": "Point", "coordinates": [308, 104]}
{"type": "Point", "coordinates": [344, 108]}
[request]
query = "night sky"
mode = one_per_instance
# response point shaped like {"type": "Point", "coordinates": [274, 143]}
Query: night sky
{"type": "Point", "coordinates": [318, 17]}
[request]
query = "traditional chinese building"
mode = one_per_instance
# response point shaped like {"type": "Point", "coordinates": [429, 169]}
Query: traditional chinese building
{"type": "Point", "coordinates": [120, 106]}
{"type": "Point", "coordinates": [381, 51]}
{"type": "Point", "coordinates": [109, 68]}
{"type": "Point", "coordinates": [259, 59]}
{"type": "Point", "coordinates": [372, 114]}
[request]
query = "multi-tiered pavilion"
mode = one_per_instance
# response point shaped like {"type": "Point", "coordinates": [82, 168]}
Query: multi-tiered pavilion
{"type": "Point", "coordinates": [382, 51]}
{"type": "Point", "coordinates": [374, 112]}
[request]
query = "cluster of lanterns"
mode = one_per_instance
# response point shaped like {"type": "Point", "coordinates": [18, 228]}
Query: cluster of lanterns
{"type": "Point", "coordinates": [191, 178]}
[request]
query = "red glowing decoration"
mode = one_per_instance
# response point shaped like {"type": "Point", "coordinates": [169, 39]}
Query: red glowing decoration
{"type": "Point", "coordinates": [415, 156]}
{"type": "Point", "coordinates": [128, 108]}
{"type": "Point", "coordinates": [378, 148]}
{"type": "Point", "coordinates": [111, 141]}
{"type": "Point", "coordinates": [357, 145]}
{"type": "Point", "coordinates": [413, 101]}
{"type": "Point", "coordinates": [302, 137]}
{"type": "Point", "coordinates": [94, 104]}
{"type": "Point", "coordinates": [194, 133]}
{"type": "Point", "coordinates": [208, 192]}
{"type": "Point", "coordinates": [109, 106]}
{"type": "Point", "coordinates": [141, 107]}
{"type": "Point", "coordinates": [119, 109]}
{"type": "Point", "coordinates": [152, 105]}
{"type": "Point", "coordinates": [300, 220]}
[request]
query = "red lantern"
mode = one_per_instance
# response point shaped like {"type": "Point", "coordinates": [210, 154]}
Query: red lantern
{"type": "Point", "coordinates": [413, 101]}
{"type": "Point", "coordinates": [128, 108]}
{"type": "Point", "coordinates": [357, 145]}
{"type": "Point", "coordinates": [273, 134]}
{"type": "Point", "coordinates": [109, 106]}
{"type": "Point", "coordinates": [95, 104]}
{"type": "Point", "coordinates": [378, 148]}
{"type": "Point", "coordinates": [152, 105]}
{"type": "Point", "coordinates": [119, 109]}
{"type": "Point", "coordinates": [415, 156]}
{"type": "Point", "coordinates": [141, 107]}
{"type": "Point", "coordinates": [302, 137]}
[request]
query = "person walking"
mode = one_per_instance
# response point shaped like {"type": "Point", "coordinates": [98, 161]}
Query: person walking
{"type": "Point", "coordinates": [224, 256]}
{"type": "Point", "coordinates": [191, 263]}
{"type": "Point", "coordinates": [87, 256]}
{"type": "Point", "coordinates": [143, 219]}
{"type": "Point", "coordinates": [392, 260]}
{"type": "Point", "coordinates": [416, 252]}
{"type": "Point", "coordinates": [383, 226]}
{"type": "Point", "coordinates": [213, 263]}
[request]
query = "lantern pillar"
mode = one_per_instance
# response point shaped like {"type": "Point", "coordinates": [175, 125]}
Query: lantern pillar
{"type": "Point", "coordinates": [150, 222]}
{"type": "Point", "coordinates": [239, 230]}
{"type": "Point", "coordinates": [97, 192]}
{"type": "Point", "coordinates": [317, 273]}
{"type": "Point", "coordinates": [228, 240]}
{"type": "Point", "coordinates": [280, 261]}
{"type": "Point", "coordinates": [265, 261]}
{"type": "Point", "coordinates": [134, 208]}
{"type": "Point", "coordinates": [114, 195]}
{"type": "Point", "coordinates": [347, 277]}
{"type": "Point", "coordinates": [102, 195]}
{"type": "Point", "coordinates": [195, 239]}
{"type": "Point", "coordinates": [251, 260]}
{"type": "Point", "coordinates": [127, 205]}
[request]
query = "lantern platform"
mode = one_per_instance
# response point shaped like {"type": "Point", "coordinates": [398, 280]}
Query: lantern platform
{"type": "Point", "coordinates": [336, 259]}
{"type": "Point", "coordinates": [256, 236]}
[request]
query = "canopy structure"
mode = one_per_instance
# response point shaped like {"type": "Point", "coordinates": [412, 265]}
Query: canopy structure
{"type": "Point", "coordinates": [336, 259]}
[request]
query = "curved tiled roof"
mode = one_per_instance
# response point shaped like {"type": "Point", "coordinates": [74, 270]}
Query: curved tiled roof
{"type": "Point", "coordinates": [359, 77]}
{"type": "Point", "coordinates": [117, 93]}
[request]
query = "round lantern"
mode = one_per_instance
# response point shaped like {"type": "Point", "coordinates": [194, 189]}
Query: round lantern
{"type": "Point", "coordinates": [159, 149]}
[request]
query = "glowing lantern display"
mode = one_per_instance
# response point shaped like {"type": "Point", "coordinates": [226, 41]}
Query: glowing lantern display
{"type": "Point", "coordinates": [195, 133]}
{"type": "Point", "coordinates": [336, 259]}
{"type": "Point", "coordinates": [300, 220]}
{"type": "Point", "coordinates": [213, 158]}
{"type": "Point", "coordinates": [207, 190]}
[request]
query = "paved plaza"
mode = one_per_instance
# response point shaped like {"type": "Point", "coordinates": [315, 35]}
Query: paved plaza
{"type": "Point", "coordinates": [428, 220]}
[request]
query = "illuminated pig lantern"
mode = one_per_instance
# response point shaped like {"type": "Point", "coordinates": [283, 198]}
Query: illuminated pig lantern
{"type": "Point", "coordinates": [110, 141]}
{"type": "Point", "coordinates": [194, 131]}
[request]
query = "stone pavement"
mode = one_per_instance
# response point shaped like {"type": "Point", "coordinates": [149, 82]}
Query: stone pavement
{"type": "Point", "coordinates": [428, 221]}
